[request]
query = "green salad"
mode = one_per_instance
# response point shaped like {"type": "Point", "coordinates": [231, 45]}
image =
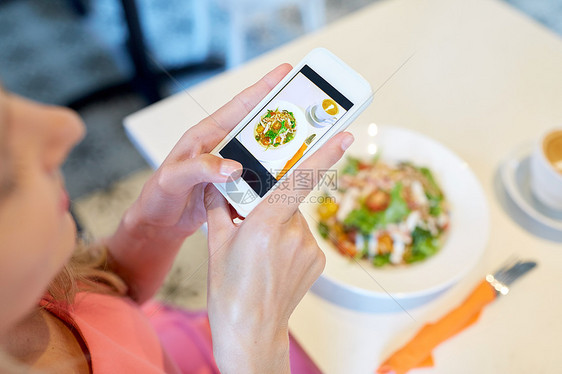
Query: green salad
{"type": "Point", "coordinates": [275, 128]}
{"type": "Point", "coordinates": [389, 214]}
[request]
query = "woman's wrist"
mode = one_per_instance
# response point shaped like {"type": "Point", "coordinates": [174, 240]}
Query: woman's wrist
{"type": "Point", "coordinates": [252, 355]}
{"type": "Point", "coordinates": [255, 342]}
{"type": "Point", "coordinates": [141, 253]}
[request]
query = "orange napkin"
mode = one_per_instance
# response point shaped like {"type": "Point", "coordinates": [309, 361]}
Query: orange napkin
{"type": "Point", "coordinates": [417, 352]}
{"type": "Point", "coordinates": [296, 157]}
{"type": "Point", "coordinates": [292, 161]}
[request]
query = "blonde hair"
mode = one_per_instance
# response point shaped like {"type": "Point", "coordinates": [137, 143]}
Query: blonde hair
{"type": "Point", "coordinates": [87, 270]}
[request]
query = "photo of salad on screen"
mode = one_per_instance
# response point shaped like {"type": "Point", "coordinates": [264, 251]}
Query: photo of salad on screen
{"type": "Point", "coordinates": [275, 128]}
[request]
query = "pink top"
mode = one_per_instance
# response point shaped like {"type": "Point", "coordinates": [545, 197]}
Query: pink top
{"type": "Point", "coordinates": [119, 336]}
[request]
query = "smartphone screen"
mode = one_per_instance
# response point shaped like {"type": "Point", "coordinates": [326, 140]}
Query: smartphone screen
{"type": "Point", "coordinates": [285, 129]}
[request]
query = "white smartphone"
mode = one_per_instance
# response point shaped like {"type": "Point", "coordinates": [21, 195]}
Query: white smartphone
{"type": "Point", "coordinates": [320, 97]}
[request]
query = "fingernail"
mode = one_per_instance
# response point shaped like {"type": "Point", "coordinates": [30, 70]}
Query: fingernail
{"type": "Point", "coordinates": [230, 169]}
{"type": "Point", "coordinates": [347, 141]}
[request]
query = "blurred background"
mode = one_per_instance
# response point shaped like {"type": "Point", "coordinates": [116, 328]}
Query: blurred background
{"type": "Point", "coordinates": [110, 58]}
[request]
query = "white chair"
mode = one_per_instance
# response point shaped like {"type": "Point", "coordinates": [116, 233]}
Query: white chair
{"type": "Point", "coordinates": [241, 12]}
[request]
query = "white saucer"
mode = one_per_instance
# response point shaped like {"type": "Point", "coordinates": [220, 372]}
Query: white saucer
{"type": "Point", "coordinates": [314, 121]}
{"type": "Point", "coordinates": [514, 173]}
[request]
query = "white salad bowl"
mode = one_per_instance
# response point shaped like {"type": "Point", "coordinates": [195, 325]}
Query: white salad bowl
{"type": "Point", "coordinates": [357, 284]}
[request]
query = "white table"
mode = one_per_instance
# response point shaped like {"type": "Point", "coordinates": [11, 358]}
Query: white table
{"type": "Point", "coordinates": [484, 79]}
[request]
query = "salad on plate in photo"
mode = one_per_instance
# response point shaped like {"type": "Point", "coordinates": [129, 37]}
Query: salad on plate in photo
{"type": "Point", "coordinates": [275, 128]}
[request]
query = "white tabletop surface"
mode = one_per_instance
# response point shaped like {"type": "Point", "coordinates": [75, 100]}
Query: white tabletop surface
{"type": "Point", "coordinates": [484, 80]}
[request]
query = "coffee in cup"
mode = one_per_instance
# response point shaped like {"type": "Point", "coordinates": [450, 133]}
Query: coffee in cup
{"type": "Point", "coordinates": [546, 169]}
{"type": "Point", "coordinates": [326, 111]}
{"type": "Point", "coordinates": [552, 148]}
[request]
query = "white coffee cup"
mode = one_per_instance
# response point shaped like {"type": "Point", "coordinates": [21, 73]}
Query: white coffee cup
{"type": "Point", "coordinates": [326, 111]}
{"type": "Point", "coordinates": [546, 169]}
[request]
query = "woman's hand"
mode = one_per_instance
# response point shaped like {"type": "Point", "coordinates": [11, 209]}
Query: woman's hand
{"type": "Point", "coordinates": [173, 198]}
{"type": "Point", "coordinates": [259, 270]}
{"type": "Point", "coordinates": [170, 206]}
